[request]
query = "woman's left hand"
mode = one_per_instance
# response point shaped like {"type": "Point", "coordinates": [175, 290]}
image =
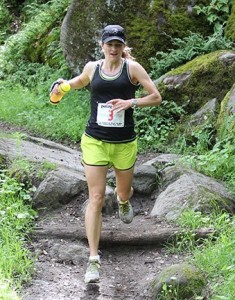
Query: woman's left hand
{"type": "Point", "coordinates": [119, 104]}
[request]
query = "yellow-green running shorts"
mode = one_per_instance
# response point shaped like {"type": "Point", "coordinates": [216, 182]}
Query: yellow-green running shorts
{"type": "Point", "coordinates": [121, 156]}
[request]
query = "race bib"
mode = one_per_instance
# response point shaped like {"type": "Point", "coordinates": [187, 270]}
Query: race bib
{"type": "Point", "coordinates": [108, 118]}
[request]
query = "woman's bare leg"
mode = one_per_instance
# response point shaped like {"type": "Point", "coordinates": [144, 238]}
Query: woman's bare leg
{"type": "Point", "coordinates": [124, 192]}
{"type": "Point", "coordinates": [96, 180]}
{"type": "Point", "coordinates": [124, 183]}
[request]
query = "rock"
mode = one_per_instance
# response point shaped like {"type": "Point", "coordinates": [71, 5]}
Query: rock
{"type": "Point", "coordinates": [230, 25]}
{"type": "Point", "coordinates": [145, 179]}
{"type": "Point", "coordinates": [38, 150]}
{"type": "Point", "coordinates": [226, 121]}
{"type": "Point", "coordinates": [227, 58]}
{"type": "Point", "coordinates": [191, 190]}
{"type": "Point", "coordinates": [59, 187]}
{"type": "Point", "coordinates": [179, 188]}
{"type": "Point", "coordinates": [204, 113]}
{"type": "Point", "coordinates": [190, 85]}
{"type": "Point", "coordinates": [163, 159]}
{"type": "Point", "coordinates": [68, 252]}
{"type": "Point", "coordinates": [82, 25]}
{"type": "Point", "coordinates": [176, 81]}
{"type": "Point", "coordinates": [181, 281]}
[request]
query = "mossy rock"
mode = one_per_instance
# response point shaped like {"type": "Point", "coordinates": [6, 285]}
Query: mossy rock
{"type": "Point", "coordinates": [150, 27]}
{"type": "Point", "coordinates": [230, 26]}
{"type": "Point", "coordinates": [226, 119]}
{"type": "Point", "coordinates": [181, 281]}
{"type": "Point", "coordinates": [200, 80]}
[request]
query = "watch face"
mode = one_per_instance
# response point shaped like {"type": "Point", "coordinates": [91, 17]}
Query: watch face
{"type": "Point", "coordinates": [134, 103]}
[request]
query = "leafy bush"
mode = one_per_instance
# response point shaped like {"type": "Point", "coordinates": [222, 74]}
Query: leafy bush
{"type": "Point", "coordinates": [153, 124]}
{"type": "Point", "coordinates": [185, 50]}
{"type": "Point", "coordinates": [217, 163]}
{"type": "Point", "coordinates": [16, 46]}
{"type": "Point", "coordinates": [5, 19]}
{"type": "Point", "coordinates": [216, 12]}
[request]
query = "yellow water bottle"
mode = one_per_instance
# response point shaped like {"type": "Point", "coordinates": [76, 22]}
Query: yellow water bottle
{"type": "Point", "coordinates": [63, 88]}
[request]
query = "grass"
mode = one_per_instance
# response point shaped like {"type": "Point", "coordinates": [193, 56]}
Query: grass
{"type": "Point", "coordinates": [16, 221]}
{"type": "Point", "coordinates": [6, 291]}
{"type": "Point", "coordinates": [22, 107]}
{"type": "Point", "coordinates": [215, 256]}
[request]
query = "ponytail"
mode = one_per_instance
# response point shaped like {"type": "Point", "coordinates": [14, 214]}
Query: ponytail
{"type": "Point", "coordinates": [127, 53]}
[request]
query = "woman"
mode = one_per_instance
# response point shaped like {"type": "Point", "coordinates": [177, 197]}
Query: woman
{"type": "Point", "coordinates": [109, 138]}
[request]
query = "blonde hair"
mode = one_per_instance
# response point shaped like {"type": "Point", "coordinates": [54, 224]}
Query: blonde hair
{"type": "Point", "coordinates": [127, 53]}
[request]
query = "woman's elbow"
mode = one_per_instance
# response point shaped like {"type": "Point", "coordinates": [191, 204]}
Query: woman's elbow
{"type": "Point", "coordinates": [157, 98]}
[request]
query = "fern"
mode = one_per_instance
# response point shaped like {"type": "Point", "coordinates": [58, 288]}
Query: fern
{"type": "Point", "coordinates": [185, 50]}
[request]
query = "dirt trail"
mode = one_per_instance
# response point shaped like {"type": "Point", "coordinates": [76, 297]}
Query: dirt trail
{"type": "Point", "coordinates": [126, 271]}
{"type": "Point", "coordinates": [127, 267]}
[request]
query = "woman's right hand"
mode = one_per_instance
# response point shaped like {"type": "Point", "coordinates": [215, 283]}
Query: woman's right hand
{"type": "Point", "coordinates": [54, 87]}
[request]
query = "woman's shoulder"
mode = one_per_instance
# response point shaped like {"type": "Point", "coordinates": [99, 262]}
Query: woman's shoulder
{"type": "Point", "coordinates": [133, 64]}
{"type": "Point", "coordinates": [90, 67]}
{"type": "Point", "coordinates": [92, 64]}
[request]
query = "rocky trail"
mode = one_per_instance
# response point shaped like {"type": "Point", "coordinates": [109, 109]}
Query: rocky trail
{"type": "Point", "coordinates": [128, 263]}
{"type": "Point", "coordinates": [131, 255]}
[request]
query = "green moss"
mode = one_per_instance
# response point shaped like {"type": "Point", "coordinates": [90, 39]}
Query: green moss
{"type": "Point", "coordinates": [180, 281]}
{"type": "Point", "coordinates": [154, 26]}
{"type": "Point", "coordinates": [209, 79]}
{"type": "Point", "coordinates": [230, 27]}
{"type": "Point", "coordinates": [225, 121]}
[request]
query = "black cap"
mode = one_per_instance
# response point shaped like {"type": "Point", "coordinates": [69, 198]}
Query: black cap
{"type": "Point", "coordinates": [113, 32]}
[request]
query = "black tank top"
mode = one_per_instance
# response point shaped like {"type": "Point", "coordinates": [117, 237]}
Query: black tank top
{"type": "Point", "coordinates": [107, 88]}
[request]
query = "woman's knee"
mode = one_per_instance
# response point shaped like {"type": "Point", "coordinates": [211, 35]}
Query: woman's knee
{"type": "Point", "coordinates": [96, 200]}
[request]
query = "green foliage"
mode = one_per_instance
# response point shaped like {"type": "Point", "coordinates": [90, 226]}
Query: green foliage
{"type": "Point", "coordinates": [185, 50]}
{"type": "Point", "coordinates": [67, 120]}
{"type": "Point", "coordinates": [168, 292]}
{"type": "Point", "coordinates": [5, 19]}
{"type": "Point", "coordinates": [36, 77]}
{"type": "Point", "coordinates": [216, 12]}
{"type": "Point", "coordinates": [15, 223]}
{"type": "Point", "coordinates": [190, 221]}
{"type": "Point", "coordinates": [217, 258]}
{"type": "Point", "coordinates": [17, 46]}
{"type": "Point", "coordinates": [6, 291]}
{"type": "Point", "coordinates": [218, 163]}
{"type": "Point", "coordinates": [192, 139]}
{"type": "Point", "coordinates": [153, 124]}
{"type": "Point", "coordinates": [215, 255]}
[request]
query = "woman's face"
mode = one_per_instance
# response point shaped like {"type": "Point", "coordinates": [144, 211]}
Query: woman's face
{"type": "Point", "coordinates": [113, 50]}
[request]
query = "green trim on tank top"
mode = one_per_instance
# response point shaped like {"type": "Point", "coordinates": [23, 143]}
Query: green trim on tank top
{"type": "Point", "coordinates": [108, 77]}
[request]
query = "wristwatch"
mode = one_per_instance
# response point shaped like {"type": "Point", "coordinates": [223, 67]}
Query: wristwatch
{"type": "Point", "coordinates": [134, 103]}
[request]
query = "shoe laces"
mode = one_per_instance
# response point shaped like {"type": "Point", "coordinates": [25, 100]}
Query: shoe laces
{"type": "Point", "coordinates": [94, 265]}
{"type": "Point", "coordinates": [125, 207]}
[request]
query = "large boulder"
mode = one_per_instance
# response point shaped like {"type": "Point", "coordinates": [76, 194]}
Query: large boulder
{"type": "Point", "coordinates": [149, 26]}
{"type": "Point", "coordinates": [186, 189]}
{"type": "Point", "coordinates": [204, 78]}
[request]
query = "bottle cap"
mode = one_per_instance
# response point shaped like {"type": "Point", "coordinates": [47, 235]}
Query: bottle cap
{"type": "Point", "coordinates": [65, 86]}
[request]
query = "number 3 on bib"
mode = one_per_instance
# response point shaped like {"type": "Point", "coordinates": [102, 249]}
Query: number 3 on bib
{"type": "Point", "coordinates": [108, 118]}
